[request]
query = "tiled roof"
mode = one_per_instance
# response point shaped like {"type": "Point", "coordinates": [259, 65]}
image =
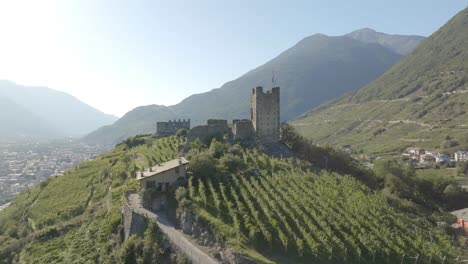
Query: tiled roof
{"type": "Point", "coordinates": [162, 168]}
{"type": "Point", "coordinates": [461, 214]}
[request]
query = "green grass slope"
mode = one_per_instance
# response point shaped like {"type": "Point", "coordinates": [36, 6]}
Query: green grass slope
{"type": "Point", "coordinates": [75, 218]}
{"type": "Point", "coordinates": [421, 101]}
{"type": "Point", "coordinates": [272, 210]}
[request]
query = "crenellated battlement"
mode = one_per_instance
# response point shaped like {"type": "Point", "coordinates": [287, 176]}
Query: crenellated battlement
{"type": "Point", "coordinates": [170, 127]}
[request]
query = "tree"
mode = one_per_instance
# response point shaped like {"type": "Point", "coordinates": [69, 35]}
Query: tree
{"type": "Point", "coordinates": [217, 148]}
{"type": "Point", "coordinates": [203, 165]}
{"type": "Point", "coordinates": [181, 133]}
{"type": "Point", "coordinates": [197, 144]}
{"type": "Point", "coordinates": [232, 163]}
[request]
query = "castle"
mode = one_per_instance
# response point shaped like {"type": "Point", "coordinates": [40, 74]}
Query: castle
{"type": "Point", "coordinates": [170, 128]}
{"type": "Point", "coordinates": [265, 114]}
{"type": "Point", "coordinates": [263, 126]}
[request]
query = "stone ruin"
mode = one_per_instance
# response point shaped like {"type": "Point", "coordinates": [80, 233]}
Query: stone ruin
{"type": "Point", "coordinates": [263, 127]}
{"type": "Point", "coordinates": [170, 127]}
{"type": "Point", "coordinates": [213, 128]}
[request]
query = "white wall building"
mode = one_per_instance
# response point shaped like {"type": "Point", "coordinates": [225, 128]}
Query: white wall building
{"type": "Point", "coordinates": [461, 156]}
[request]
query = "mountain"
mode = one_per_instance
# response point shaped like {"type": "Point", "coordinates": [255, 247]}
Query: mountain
{"type": "Point", "coordinates": [316, 69]}
{"type": "Point", "coordinates": [421, 101]}
{"type": "Point", "coordinates": [140, 120]}
{"type": "Point", "coordinates": [18, 122]}
{"type": "Point", "coordinates": [401, 44]}
{"type": "Point", "coordinates": [62, 112]}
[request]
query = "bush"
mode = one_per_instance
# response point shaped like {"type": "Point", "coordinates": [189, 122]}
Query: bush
{"type": "Point", "coordinates": [236, 150]}
{"type": "Point", "coordinates": [130, 250]}
{"type": "Point", "coordinates": [203, 165]}
{"type": "Point", "coordinates": [197, 144]}
{"type": "Point", "coordinates": [232, 163]}
{"type": "Point", "coordinates": [181, 133]}
{"type": "Point", "coordinates": [217, 149]}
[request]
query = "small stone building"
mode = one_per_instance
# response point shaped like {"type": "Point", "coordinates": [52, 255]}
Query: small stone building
{"type": "Point", "coordinates": [161, 177]}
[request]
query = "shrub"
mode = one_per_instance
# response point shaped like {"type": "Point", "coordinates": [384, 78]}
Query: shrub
{"type": "Point", "coordinates": [232, 163]}
{"type": "Point", "coordinates": [203, 165]}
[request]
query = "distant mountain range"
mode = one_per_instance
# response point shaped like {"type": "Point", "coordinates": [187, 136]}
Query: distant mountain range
{"type": "Point", "coordinates": [421, 101]}
{"type": "Point", "coordinates": [316, 69]}
{"type": "Point", "coordinates": [43, 112]}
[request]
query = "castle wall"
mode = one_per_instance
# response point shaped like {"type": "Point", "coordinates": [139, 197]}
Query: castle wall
{"type": "Point", "coordinates": [206, 131]}
{"type": "Point", "coordinates": [134, 224]}
{"type": "Point", "coordinates": [265, 114]}
{"type": "Point", "coordinates": [171, 127]}
{"type": "Point", "coordinates": [217, 122]}
{"type": "Point", "coordinates": [243, 130]}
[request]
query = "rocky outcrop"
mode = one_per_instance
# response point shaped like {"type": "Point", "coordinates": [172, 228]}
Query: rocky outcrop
{"type": "Point", "coordinates": [198, 228]}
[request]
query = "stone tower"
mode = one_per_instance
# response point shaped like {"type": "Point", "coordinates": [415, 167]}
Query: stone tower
{"type": "Point", "coordinates": [265, 114]}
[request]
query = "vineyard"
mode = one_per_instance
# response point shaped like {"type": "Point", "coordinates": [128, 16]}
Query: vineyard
{"type": "Point", "coordinates": [282, 209]}
{"type": "Point", "coordinates": [75, 218]}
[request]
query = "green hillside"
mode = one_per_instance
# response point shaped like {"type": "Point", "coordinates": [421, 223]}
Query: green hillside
{"type": "Point", "coordinates": [141, 120]}
{"type": "Point", "coordinates": [421, 101]}
{"type": "Point", "coordinates": [288, 211]}
{"type": "Point", "coordinates": [76, 218]}
{"type": "Point", "coordinates": [269, 209]}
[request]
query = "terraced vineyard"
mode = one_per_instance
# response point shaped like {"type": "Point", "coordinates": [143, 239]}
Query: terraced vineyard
{"type": "Point", "coordinates": [291, 212]}
{"type": "Point", "coordinates": [76, 218]}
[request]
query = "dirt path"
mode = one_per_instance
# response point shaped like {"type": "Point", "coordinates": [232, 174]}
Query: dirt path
{"type": "Point", "coordinates": [196, 255]}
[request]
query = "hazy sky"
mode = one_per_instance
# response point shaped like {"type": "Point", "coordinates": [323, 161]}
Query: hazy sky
{"type": "Point", "coordinates": [116, 55]}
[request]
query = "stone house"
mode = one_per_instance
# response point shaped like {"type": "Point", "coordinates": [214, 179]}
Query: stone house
{"type": "Point", "coordinates": [162, 176]}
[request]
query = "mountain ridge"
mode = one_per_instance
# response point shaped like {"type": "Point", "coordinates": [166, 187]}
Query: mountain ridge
{"type": "Point", "coordinates": [306, 73]}
{"type": "Point", "coordinates": [61, 111]}
{"type": "Point", "coordinates": [420, 101]}
{"type": "Point", "coordinates": [401, 44]}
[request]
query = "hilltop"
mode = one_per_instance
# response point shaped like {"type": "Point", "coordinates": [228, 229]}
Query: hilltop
{"type": "Point", "coordinates": [421, 101]}
{"type": "Point", "coordinates": [316, 69]}
{"type": "Point", "coordinates": [264, 208]}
